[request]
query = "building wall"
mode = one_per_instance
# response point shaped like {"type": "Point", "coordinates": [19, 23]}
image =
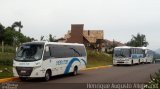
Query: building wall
{"type": "Point", "coordinates": [76, 34]}
{"type": "Point", "coordinates": [93, 35]}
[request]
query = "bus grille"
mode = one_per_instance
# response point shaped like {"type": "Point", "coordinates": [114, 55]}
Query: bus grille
{"type": "Point", "coordinates": [24, 71]}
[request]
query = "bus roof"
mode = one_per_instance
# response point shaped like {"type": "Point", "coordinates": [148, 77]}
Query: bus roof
{"type": "Point", "coordinates": [123, 47]}
{"type": "Point", "coordinates": [142, 47]}
{"type": "Point", "coordinates": [57, 43]}
{"type": "Point", "coordinates": [128, 47]}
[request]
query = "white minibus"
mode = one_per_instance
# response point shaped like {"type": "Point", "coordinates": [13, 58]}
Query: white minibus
{"type": "Point", "coordinates": [46, 59]}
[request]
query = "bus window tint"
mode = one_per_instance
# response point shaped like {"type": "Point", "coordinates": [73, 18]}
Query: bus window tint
{"type": "Point", "coordinates": [57, 51]}
{"type": "Point", "coordinates": [125, 52]}
{"type": "Point", "coordinates": [122, 53]}
{"type": "Point", "coordinates": [61, 51]}
{"type": "Point", "coordinates": [47, 53]}
{"type": "Point", "coordinates": [82, 50]}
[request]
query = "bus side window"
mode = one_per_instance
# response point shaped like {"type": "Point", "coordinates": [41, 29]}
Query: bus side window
{"type": "Point", "coordinates": [47, 53]}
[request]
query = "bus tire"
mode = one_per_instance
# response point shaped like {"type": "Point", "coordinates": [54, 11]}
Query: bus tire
{"type": "Point", "coordinates": [131, 62]}
{"type": "Point", "coordinates": [75, 71]}
{"type": "Point", "coordinates": [139, 62]}
{"type": "Point", "coordinates": [47, 75]}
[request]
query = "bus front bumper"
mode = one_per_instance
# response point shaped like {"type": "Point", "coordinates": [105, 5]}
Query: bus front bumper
{"type": "Point", "coordinates": [34, 72]}
{"type": "Point", "coordinates": [115, 62]}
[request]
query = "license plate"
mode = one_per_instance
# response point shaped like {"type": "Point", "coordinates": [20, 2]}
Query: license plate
{"type": "Point", "coordinates": [23, 71]}
{"type": "Point", "coordinates": [120, 60]}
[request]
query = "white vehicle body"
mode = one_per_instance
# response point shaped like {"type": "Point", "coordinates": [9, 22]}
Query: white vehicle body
{"type": "Point", "coordinates": [148, 55]}
{"type": "Point", "coordinates": [127, 55]}
{"type": "Point", "coordinates": [34, 59]}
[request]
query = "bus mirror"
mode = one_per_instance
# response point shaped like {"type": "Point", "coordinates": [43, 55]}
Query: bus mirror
{"type": "Point", "coordinates": [46, 48]}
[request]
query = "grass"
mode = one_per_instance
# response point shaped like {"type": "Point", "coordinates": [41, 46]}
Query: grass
{"type": "Point", "coordinates": [8, 49]}
{"type": "Point", "coordinates": [6, 72]}
{"type": "Point", "coordinates": [6, 59]}
{"type": "Point", "coordinates": [95, 59]}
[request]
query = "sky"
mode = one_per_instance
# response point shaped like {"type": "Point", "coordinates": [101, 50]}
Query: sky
{"type": "Point", "coordinates": [120, 19]}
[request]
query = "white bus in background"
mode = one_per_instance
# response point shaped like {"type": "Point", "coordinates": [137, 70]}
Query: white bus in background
{"type": "Point", "coordinates": [127, 55]}
{"type": "Point", "coordinates": [148, 55]}
{"type": "Point", "coordinates": [46, 59]}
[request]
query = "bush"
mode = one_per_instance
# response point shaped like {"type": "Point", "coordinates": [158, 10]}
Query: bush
{"type": "Point", "coordinates": [155, 81]}
{"type": "Point", "coordinates": [8, 49]}
{"type": "Point", "coordinates": [95, 58]}
{"type": "Point", "coordinates": [6, 59]}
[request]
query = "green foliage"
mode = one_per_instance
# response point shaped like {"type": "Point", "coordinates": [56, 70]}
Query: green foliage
{"type": "Point", "coordinates": [9, 36]}
{"type": "Point", "coordinates": [1, 32]}
{"type": "Point", "coordinates": [42, 38]}
{"type": "Point", "coordinates": [12, 37]}
{"type": "Point", "coordinates": [95, 58]}
{"type": "Point", "coordinates": [17, 24]}
{"type": "Point", "coordinates": [138, 41]}
{"type": "Point", "coordinates": [155, 81]}
{"type": "Point", "coordinates": [51, 39]}
{"type": "Point", "coordinates": [6, 59]}
{"type": "Point", "coordinates": [8, 49]}
{"type": "Point", "coordinates": [7, 72]}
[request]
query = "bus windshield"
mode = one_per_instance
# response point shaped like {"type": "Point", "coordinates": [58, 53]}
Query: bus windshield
{"type": "Point", "coordinates": [29, 52]}
{"type": "Point", "coordinates": [121, 53]}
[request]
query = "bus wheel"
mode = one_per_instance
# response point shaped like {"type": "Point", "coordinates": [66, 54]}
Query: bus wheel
{"type": "Point", "coordinates": [75, 71]}
{"type": "Point", "coordinates": [131, 62]}
{"type": "Point", "coordinates": [47, 75]}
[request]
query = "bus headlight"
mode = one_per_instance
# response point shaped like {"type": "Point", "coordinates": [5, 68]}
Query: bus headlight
{"type": "Point", "coordinates": [36, 67]}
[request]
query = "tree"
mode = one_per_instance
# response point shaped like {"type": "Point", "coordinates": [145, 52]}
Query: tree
{"type": "Point", "coordinates": [51, 39]}
{"type": "Point", "coordinates": [17, 24]}
{"type": "Point", "coordinates": [9, 36]}
{"type": "Point", "coordinates": [114, 44]}
{"type": "Point", "coordinates": [138, 41]}
{"type": "Point", "coordinates": [1, 32]}
{"type": "Point", "coordinates": [12, 37]}
{"type": "Point", "coordinates": [42, 38]}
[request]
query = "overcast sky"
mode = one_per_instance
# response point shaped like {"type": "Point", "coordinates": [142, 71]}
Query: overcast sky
{"type": "Point", "coordinates": [118, 18]}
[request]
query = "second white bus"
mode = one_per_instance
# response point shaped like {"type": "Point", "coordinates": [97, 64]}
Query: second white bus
{"type": "Point", "coordinates": [127, 55]}
{"type": "Point", "coordinates": [148, 55]}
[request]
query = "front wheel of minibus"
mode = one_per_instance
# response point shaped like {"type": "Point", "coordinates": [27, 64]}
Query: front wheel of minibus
{"type": "Point", "coordinates": [47, 75]}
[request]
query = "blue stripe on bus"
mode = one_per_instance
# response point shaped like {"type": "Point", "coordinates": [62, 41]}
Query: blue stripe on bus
{"type": "Point", "coordinates": [84, 61]}
{"type": "Point", "coordinates": [70, 64]}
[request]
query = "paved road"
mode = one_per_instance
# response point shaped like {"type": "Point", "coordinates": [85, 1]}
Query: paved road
{"type": "Point", "coordinates": [116, 74]}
